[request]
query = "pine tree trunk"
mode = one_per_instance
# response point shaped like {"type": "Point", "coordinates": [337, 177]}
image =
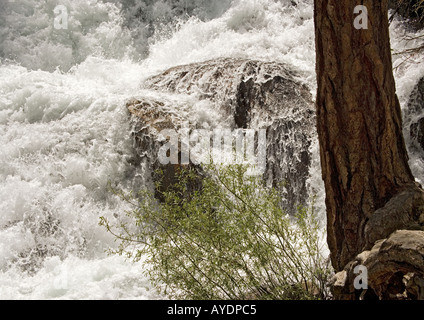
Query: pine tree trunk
{"type": "Point", "coordinates": [363, 155]}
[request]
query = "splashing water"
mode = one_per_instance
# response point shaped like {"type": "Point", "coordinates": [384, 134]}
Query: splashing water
{"type": "Point", "coordinates": [65, 131]}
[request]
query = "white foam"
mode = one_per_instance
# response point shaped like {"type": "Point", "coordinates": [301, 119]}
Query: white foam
{"type": "Point", "coordinates": [255, 29]}
{"type": "Point", "coordinates": [64, 132]}
{"type": "Point", "coordinates": [110, 278]}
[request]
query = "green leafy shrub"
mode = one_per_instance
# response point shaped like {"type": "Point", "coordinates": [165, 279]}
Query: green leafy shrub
{"type": "Point", "coordinates": [229, 240]}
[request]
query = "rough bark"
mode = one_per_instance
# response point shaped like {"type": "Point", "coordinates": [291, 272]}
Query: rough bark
{"type": "Point", "coordinates": [363, 155]}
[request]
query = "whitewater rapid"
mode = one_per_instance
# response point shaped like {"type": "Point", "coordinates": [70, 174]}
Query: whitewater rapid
{"type": "Point", "coordinates": [65, 132]}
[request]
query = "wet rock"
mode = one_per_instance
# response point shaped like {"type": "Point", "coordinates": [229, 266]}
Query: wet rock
{"type": "Point", "coordinates": [414, 116]}
{"type": "Point", "coordinates": [394, 266]}
{"type": "Point", "coordinates": [247, 95]}
{"type": "Point", "coordinates": [403, 211]}
{"type": "Point", "coordinates": [150, 118]}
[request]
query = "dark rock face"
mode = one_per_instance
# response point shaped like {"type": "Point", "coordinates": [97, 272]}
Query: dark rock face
{"type": "Point", "coordinates": [403, 211]}
{"type": "Point", "coordinates": [411, 10]}
{"type": "Point", "coordinates": [240, 88]}
{"type": "Point", "coordinates": [149, 119]}
{"type": "Point", "coordinates": [417, 132]}
{"type": "Point", "coordinates": [247, 95]}
{"type": "Point", "coordinates": [415, 116]}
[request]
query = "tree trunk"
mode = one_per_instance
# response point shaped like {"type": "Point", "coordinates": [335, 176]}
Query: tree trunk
{"type": "Point", "coordinates": [363, 155]}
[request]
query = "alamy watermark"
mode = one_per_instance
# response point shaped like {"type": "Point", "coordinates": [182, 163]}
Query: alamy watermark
{"type": "Point", "coordinates": [361, 21]}
{"type": "Point", "coordinates": [61, 19]}
{"type": "Point", "coordinates": [361, 280]}
{"type": "Point", "coordinates": [220, 147]}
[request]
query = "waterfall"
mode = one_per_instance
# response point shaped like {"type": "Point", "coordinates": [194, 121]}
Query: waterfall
{"type": "Point", "coordinates": [66, 132]}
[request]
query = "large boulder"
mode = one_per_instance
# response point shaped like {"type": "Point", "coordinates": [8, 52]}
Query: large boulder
{"type": "Point", "coordinates": [239, 94]}
{"type": "Point", "coordinates": [150, 117]}
{"type": "Point", "coordinates": [394, 270]}
{"type": "Point", "coordinates": [403, 211]}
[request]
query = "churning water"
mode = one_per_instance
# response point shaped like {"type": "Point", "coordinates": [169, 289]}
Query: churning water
{"type": "Point", "coordinates": [65, 131]}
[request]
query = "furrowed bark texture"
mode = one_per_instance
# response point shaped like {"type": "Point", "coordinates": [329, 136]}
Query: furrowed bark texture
{"type": "Point", "coordinates": [363, 155]}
